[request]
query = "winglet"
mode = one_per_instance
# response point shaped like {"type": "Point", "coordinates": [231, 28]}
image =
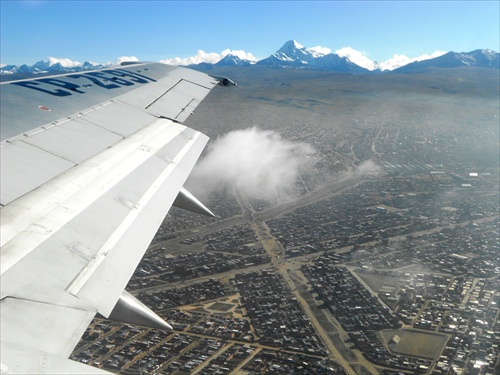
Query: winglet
{"type": "Point", "coordinates": [224, 81]}
{"type": "Point", "coordinates": [188, 201]}
{"type": "Point", "coordinates": [130, 310]}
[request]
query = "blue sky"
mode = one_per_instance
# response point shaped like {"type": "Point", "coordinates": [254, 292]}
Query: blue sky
{"type": "Point", "coordinates": [103, 31]}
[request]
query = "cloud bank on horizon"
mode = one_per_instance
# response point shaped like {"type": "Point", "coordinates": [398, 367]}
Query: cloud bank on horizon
{"type": "Point", "coordinates": [209, 57]}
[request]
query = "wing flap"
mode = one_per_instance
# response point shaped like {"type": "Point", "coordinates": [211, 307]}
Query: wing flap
{"type": "Point", "coordinates": [188, 110]}
{"type": "Point", "coordinates": [113, 273]}
{"type": "Point", "coordinates": [65, 233]}
{"type": "Point", "coordinates": [75, 140]}
{"type": "Point", "coordinates": [56, 329]}
{"type": "Point", "coordinates": [18, 359]}
{"type": "Point", "coordinates": [176, 99]}
{"type": "Point", "coordinates": [16, 158]}
{"type": "Point", "coordinates": [119, 118]}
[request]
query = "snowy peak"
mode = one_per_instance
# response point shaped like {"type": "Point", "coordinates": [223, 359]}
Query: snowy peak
{"type": "Point", "coordinates": [489, 54]}
{"type": "Point", "coordinates": [292, 47]}
{"type": "Point", "coordinates": [233, 60]}
{"type": "Point", "coordinates": [53, 65]}
{"type": "Point", "coordinates": [293, 54]}
{"type": "Point", "coordinates": [297, 44]}
{"type": "Point", "coordinates": [483, 58]}
{"type": "Point", "coordinates": [292, 51]}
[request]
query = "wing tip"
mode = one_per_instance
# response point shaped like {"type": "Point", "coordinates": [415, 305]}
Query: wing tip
{"type": "Point", "coordinates": [224, 81]}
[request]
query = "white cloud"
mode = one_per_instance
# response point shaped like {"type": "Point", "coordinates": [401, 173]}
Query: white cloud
{"type": "Point", "coordinates": [259, 163]}
{"type": "Point", "coordinates": [432, 56]}
{"type": "Point", "coordinates": [394, 62]}
{"type": "Point", "coordinates": [321, 50]}
{"type": "Point", "coordinates": [357, 57]}
{"type": "Point", "coordinates": [126, 59]}
{"type": "Point", "coordinates": [208, 57]}
{"type": "Point", "coordinates": [240, 53]}
{"type": "Point", "coordinates": [398, 61]}
{"type": "Point", "coordinates": [67, 63]}
{"type": "Point", "coordinates": [368, 167]}
{"type": "Point", "coordinates": [201, 56]}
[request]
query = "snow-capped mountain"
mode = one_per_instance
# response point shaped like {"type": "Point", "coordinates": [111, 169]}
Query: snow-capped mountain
{"type": "Point", "coordinates": [479, 58]}
{"type": "Point", "coordinates": [293, 54]}
{"type": "Point", "coordinates": [232, 60]}
{"type": "Point", "coordinates": [50, 66]}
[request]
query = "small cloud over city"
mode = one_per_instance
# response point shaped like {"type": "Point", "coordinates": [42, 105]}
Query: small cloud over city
{"type": "Point", "coordinates": [368, 168]}
{"type": "Point", "coordinates": [259, 163]}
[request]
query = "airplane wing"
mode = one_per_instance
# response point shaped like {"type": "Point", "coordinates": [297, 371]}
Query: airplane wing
{"type": "Point", "coordinates": [91, 162]}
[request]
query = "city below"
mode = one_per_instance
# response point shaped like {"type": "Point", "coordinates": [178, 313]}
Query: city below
{"type": "Point", "coordinates": [381, 259]}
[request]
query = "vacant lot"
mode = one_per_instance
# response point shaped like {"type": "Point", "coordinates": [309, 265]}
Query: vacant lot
{"type": "Point", "coordinates": [416, 343]}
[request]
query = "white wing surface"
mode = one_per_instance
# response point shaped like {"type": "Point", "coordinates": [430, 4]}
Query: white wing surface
{"type": "Point", "coordinates": [91, 162]}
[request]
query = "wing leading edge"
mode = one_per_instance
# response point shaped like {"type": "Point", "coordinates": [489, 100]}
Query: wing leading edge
{"type": "Point", "coordinates": [82, 196]}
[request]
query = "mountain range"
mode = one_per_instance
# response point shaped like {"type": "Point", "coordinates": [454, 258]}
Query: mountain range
{"type": "Point", "coordinates": [50, 67]}
{"type": "Point", "coordinates": [291, 55]}
{"type": "Point", "coordinates": [294, 55]}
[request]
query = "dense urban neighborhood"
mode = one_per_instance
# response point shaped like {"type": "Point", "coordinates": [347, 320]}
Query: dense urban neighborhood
{"type": "Point", "coordinates": [382, 258]}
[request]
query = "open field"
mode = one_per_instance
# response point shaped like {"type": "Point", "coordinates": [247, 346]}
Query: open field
{"type": "Point", "coordinates": [416, 343]}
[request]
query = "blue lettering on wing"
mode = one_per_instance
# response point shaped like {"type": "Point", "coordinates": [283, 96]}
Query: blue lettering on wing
{"type": "Point", "coordinates": [62, 84]}
{"type": "Point", "coordinates": [107, 79]}
{"type": "Point", "coordinates": [136, 77]}
{"type": "Point", "coordinates": [35, 86]}
{"type": "Point", "coordinates": [95, 80]}
{"type": "Point", "coordinates": [104, 78]}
